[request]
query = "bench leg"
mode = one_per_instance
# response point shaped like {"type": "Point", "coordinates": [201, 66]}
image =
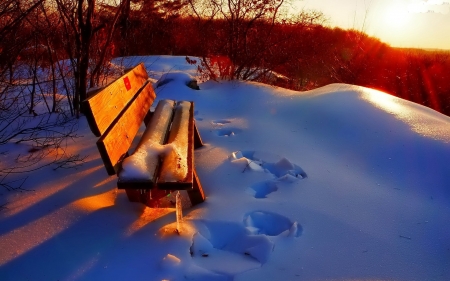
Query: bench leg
{"type": "Point", "coordinates": [197, 139]}
{"type": "Point", "coordinates": [153, 197]}
{"type": "Point", "coordinates": [196, 195]}
{"type": "Point", "coordinates": [149, 198]}
{"type": "Point", "coordinates": [134, 195]}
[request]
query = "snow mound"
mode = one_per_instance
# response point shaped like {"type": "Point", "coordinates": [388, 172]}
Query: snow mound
{"type": "Point", "coordinates": [177, 78]}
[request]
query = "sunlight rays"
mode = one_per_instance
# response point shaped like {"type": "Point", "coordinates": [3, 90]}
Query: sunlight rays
{"type": "Point", "coordinates": [36, 232]}
{"type": "Point", "coordinates": [96, 202]}
{"type": "Point", "coordinates": [25, 238]}
{"type": "Point", "coordinates": [430, 89]}
{"type": "Point", "coordinates": [105, 181]}
{"type": "Point", "coordinates": [46, 190]}
{"type": "Point", "coordinates": [59, 215]}
{"type": "Point", "coordinates": [148, 215]}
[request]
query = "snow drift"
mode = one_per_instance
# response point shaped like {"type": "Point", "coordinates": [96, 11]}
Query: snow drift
{"type": "Point", "coordinates": [342, 182]}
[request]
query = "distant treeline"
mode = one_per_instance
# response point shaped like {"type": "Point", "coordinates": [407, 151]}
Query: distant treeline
{"type": "Point", "coordinates": [246, 39]}
{"type": "Point", "coordinates": [308, 55]}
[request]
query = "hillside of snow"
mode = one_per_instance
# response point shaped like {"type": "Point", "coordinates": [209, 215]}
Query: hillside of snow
{"type": "Point", "coordinates": [338, 183]}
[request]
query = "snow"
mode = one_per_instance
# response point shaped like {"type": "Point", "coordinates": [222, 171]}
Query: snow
{"type": "Point", "coordinates": [142, 163]}
{"type": "Point", "coordinates": [174, 76]}
{"type": "Point", "coordinates": [145, 159]}
{"type": "Point", "coordinates": [175, 164]}
{"type": "Point", "coordinates": [338, 183]}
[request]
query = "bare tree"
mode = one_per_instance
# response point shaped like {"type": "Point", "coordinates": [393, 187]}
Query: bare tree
{"type": "Point", "coordinates": [242, 22]}
{"type": "Point", "coordinates": [81, 22]}
{"type": "Point", "coordinates": [252, 39]}
{"type": "Point", "coordinates": [44, 134]}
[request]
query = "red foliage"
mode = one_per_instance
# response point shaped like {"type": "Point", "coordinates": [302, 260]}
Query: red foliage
{"type": "Point", "coordinates": [310, 55]}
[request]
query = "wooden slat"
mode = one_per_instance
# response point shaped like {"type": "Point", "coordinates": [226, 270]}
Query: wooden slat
{"type": "Point", "coordinates": [177, 124]}
{"type": "Point", "coordinates": [156, 132]}
{"type": "Point", "coordinates": [196, 195]}
{"type": "Point", "coordinates": [135, 184]}
{"type": "Point", "coordinates": [159, 124]}
{"type": "Point", "coordinates": [103, 107]}
{"type": "Point", "coordinates": [115, 142]}
{"type": "Point", "coordinates": [133, 195]}
{"type": "Point", "coordinates": [197, 138]}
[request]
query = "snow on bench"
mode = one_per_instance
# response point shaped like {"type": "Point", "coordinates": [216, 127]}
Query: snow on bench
{"type": "Point", "coordinates": [142, 165]}
{"type": "Point", "coordinates": [175, 167]}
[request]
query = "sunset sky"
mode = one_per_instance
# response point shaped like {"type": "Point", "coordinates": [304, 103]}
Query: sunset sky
{"type": "Point", "coordinates": [400, 23]}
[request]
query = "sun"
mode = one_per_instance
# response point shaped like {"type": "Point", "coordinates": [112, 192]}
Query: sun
{"type": "Point", "coordinates": [395, 23]}
{"type": "Point", "coordinates": [396, 16]}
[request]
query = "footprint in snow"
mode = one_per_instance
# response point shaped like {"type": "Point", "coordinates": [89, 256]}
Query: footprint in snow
{"type": "Point", "coordinates": [228, 248]}
{"type": "Point", "coordinates": [227, 132]}
{"type": "Point", "coordinates": [272, 224]}
{"type": "Point", "coordinates": [262, 189]}
{"type": "Point", "coordinates": [221, 122]}
{"type": "Point", "coordinates": [282, 170]}
{"type": "Point", "coordinates": [259, 161]}
{"type": "Point", "coordinates": [222, 130]}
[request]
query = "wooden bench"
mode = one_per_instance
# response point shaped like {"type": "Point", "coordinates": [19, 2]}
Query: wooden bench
{"type": "Point", "coordinates": [164, 157]}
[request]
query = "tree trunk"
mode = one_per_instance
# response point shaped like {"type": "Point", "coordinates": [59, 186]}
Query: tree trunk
{"type": "Point", "coordinates": [124, 25]}
{"type": "Point", "coordinates": [85, 29]}
{"type": "Point", "coordinates": [95, 75]}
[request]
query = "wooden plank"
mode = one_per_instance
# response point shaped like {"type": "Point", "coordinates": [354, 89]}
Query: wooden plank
{"type": "Point", "coordinates": [153, 200]}
{"type": "Point", "coordinates": [197, 138]}
{"type": "Point", "coordinates": [156, 133]}
{"type": "Point", "coordinates": [159, 124]}
{"type": "Point", "coordinates": [148, 197]}
{"type": "Point", "coordinates": [182, 137]}
{"type": "Point", "coordinates": [135, 184]}
{"type": "Point", "coordinates": [196, 195]}
{"type": "Point", "coordinates": [133, 195]}
{"type": "Point", "coordinates": [186, 185]}
{"type": "Point", "coordinates": [103, 107]}
{"type": "Point", "coordinates": [115, 142]}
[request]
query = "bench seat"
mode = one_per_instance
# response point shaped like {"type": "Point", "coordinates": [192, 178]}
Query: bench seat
{"type": "Point", "coordinates": [164, 156]}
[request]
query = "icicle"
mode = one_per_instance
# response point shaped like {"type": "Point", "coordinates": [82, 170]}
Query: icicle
{"type": "Point", "coordinates": [179, 212]}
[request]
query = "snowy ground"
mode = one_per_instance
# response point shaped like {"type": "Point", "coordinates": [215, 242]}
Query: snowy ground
{"type": "Point", "coordinates": [339, 183]}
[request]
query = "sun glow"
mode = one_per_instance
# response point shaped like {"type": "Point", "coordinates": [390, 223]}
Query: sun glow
{"type": "Point", "coordinates": [396, 16]}
{"type": "Point", "coordinates": [414, 115]}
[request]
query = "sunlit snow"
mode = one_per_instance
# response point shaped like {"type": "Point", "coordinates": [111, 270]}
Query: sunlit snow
{"type": "Point", "coordinates": [337, 183]}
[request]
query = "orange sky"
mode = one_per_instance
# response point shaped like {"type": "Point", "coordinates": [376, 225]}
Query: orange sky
{"type": "Point", "coordinates": [400, 23]}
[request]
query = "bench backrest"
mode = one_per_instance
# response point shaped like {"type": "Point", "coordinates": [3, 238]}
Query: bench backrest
{"type": "Point", "coordinates": [116, 112]}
